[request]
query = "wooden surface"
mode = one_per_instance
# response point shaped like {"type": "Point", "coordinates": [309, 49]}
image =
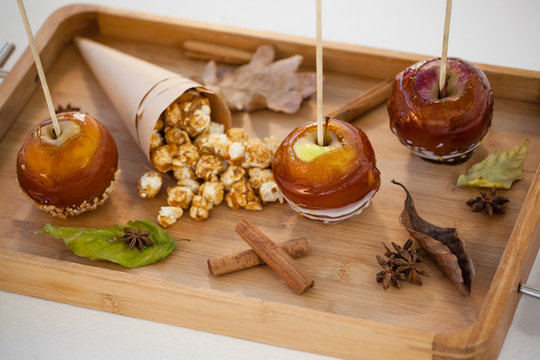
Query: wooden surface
{"type": "Point", "coordinates": [346, 314]}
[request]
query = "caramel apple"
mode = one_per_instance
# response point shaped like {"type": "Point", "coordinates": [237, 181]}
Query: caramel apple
{"type": "Point", "coordinates": [327, 183]}
{"type": "Point", "coordinates": [441, 126]}
{"type": "Point", "coordinates": [72, 173]}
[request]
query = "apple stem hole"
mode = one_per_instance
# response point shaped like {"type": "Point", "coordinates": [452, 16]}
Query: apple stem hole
{"type": "Point", "coordinates": [53, 134]}
{"type": "Point", "coordinates": [442, 93]}
{"type": "Point", "coordinates": [326, 138]}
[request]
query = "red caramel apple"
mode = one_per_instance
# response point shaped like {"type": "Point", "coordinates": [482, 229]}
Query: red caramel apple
{"type": "Point", "coordinates": [327, 183]}
{"type": "Point", "coordinates": [442, 127]}
{"type": "Point", "coordinates": [73, 173]}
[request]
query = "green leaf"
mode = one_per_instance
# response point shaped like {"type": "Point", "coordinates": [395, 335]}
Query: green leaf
{"type": "Point", "coordinates": [498, 170]}
{"type": "Point", "coordinates": [99, 243]}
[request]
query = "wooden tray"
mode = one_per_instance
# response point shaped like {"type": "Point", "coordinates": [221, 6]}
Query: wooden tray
{"type": "Point", "coordinates": [346, 314]}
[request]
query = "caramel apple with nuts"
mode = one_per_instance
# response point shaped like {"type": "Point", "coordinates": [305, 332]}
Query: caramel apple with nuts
{"type": "Point", "coordinates": [72, 173]}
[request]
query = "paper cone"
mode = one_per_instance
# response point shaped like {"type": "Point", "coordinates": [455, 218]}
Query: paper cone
{"type": "Point", "coordinates": [141, 91]}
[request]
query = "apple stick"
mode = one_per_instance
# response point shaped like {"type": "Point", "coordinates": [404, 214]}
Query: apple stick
{"type": "Point", "coordinates": [40, 71]}
{"type": "Point", "coordinates": [442, 70]}
{"type": "Point", "coordinates": [319, 69]}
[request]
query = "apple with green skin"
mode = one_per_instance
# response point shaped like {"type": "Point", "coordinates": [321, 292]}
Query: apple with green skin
{"type": "Point", "coordinates": [444, 127]}
{"type": "Point", "coordinates": [71, 173]}
{"type": "Point", "coordinates": [327, 183]}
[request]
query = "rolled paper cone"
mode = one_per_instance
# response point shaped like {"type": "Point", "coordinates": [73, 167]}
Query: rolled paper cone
{"type": "Point", "coordinates": [141, 91]}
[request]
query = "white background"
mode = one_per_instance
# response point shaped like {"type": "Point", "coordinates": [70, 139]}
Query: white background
{"type": "Point", "coordinates": [499, 32]}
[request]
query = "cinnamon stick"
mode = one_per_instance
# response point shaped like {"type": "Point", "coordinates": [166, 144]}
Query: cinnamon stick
{"type": "Point", "coordinates": [274, 256]}
{"type": "Point", "coordinates": [209, 51]}
{"type": "Point", "coordinates": [221, 265]}
{"type": "Point", "coordinates": [363, 103]}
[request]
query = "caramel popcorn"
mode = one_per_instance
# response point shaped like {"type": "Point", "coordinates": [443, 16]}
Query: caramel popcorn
{"type": "Point", "coordinates": [237, 134]}
{"type": "Point", "coordinates": [168, 215]}
{"type": "Point", "coordinates": [149, 184]}
{"type": "Point", "coordinates": [160, 124]}
{"type": "Point", "coordinates": [232, 175]}
{"type": "Point", "coordinates": [173, 114]}
{"type": "Point", "coordinates": [191, 183]}
{"type": "Point", "coordinates": [269, 192]}
{"type": "Point", "coordinates": [235, 152]}
{"type": "Point", "coordinates": [216, 128]}
{"type": "Point", "coordinates": [242, 195]}
{"type": "Point", "coordinates": [258, 176]}
{"type": "Point", "coordinates": [272, 144]}
{"type": "Point", "coordinates": [174, 135]}
{"type": "Point", "coordinates": [200, 208]}
{"type": "Point", "coordinates": [215, 144]}
{"type": "Point", "coordinates": [162, 158]}
{"type": "Point", "coordinates": [197, 116]}
{"type": "Point", "coordinates": [257, 155]}
{"type": "Point", "coordinates": [156, 140]}
{"type": "Point", "coordinates": [212, 191]}
{"type": "Point", "coordinates": [188, 155]}
{"type": "Point", "coordinates": [208, 167]}
{"type": "Point", "coordinates": [184, 173]}
{"type": "Point", "coordinates": [179, 196]}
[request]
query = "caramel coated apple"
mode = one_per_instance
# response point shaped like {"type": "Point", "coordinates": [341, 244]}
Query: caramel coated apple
{"type": "Point", "coordinates": [72, 173]}
{"type": "Point", "coordinates": [327, 183]}
{"type": "Point", "coordinates": [441, 127]}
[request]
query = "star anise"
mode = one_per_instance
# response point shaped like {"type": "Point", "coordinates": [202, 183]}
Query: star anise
{"type": "Point", "coordinates": [399, 264]}
{"type": "Point", "coordinates": [67, 108]}
{"type": "Point", "coordinates": [489, 202]}
{"type": "Point", "coordinates": [137, 238]}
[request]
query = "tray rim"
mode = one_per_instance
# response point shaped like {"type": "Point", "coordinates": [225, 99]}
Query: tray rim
{"type": "Point", "coordinates": [482, 339]}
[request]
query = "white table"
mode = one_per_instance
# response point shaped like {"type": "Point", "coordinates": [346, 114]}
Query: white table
{"type": "Point", "coordinates": [496, 32]}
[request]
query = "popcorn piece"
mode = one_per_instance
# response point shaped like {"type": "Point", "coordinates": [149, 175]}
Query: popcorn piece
{"type": "Point", "coordinates": [162, 156]}
{"type": "Point", "coordinates": [237, 134]}
{"type": "Point", "coordinates": [173, 114]}
{"type": "Point", "coordinates": [174, 135]}
{"type": "Point", "coordinates": [257, 155]}
{"type": "Point", "coordinates": [197, 118]}
{"type": "Point", "coordinates": [212, 191]}
{"type": "Point", "coordinates": [216, 144]}
{"type": "Point", "coordinates": [168, 215]}
{"type": "Point", "coordinates": [200, 208]}
{"type": "Point", "coordinates": [269, 192]}
{"type": "Point", "coordinates": [209, 167]}
{"type": "Point", "coordinates": [242, 195]}
{"type": "Point", "coordinates": [272, 144]}
{"type": "Point", "coordinates": [179, 196]}
{"type": "Point", "coordinates": [191, 183]}
{"type": "Point", "coordinates": [232, 175]}
{"type": "Point", "coordinates": [201, 139]}
{"type": "Point", "coordinates": [188, 155]}
{"type": "Point", "coordinates": [184, 173]}
{"type": "Point", "coordinates": [259, 176]}
{"type": "Point", "coordinates": [149, 184]}
{"type": "Point", "coordinates": [235, 152]}
{"type": "Point", "coordinates": [160, 124]}
{"type": "Point", "coordinates": [216, 128]}
{"type": "Point", "coordinates": [156, 140]}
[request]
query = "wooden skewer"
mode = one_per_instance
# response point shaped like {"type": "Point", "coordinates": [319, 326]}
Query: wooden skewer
{"type": "Point", "coordinates": [363, 103]}
{"type": "Point", "coordinates": [442, 70]}
{"type": "Point", "coordinates": [319, 69]}
{"type": "Point", "coordinates": [40, 71]}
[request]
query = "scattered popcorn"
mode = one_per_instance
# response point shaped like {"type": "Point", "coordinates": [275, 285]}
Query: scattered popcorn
{"type": "Point", "coordinates": [149, 184]}
{"type": "Point", "coordinates": [168, 215]}
{"type": "Point", "coordinates": [209, 164]}
{"type": "Point", "coordinates": [200, 208]}
{"type": "Point", "coordinates": [237, 134]}
{"type": "Point", "coordinates": [269, 192]}
{"type": "Point", "coordinates": [179, 196]}
{"type": "Point", "coordinates": [209, 167]}
{"type": "Point", "coordinates": [257, 155]}
{"type": "Point", "coordinates": [258, 176]}
{"type": "Point", "coordinates": [212, 191]}
{"type": "Point", "coordinates": [232, 175]}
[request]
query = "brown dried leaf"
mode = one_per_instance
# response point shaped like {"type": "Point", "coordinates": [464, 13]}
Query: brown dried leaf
{"type": "Point", "coordinates": [442, 244]}
{"type": "Point", "coordinates": [262, 83]}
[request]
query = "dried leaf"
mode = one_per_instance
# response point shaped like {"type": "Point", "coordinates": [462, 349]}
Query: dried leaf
{"type": "Point", "coordinates": [262, 83]}
{"type": "Point", "coordinates": [442, 244]}
{"type": "Point", "coordinates": [498, 170]}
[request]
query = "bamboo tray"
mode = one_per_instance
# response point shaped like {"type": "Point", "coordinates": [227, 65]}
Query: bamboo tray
{"type": "Point", "coordinates": [346, 314]}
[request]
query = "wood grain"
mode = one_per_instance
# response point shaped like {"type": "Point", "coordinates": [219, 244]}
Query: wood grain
{"type": "Point", "coordinates": [347, 314]}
